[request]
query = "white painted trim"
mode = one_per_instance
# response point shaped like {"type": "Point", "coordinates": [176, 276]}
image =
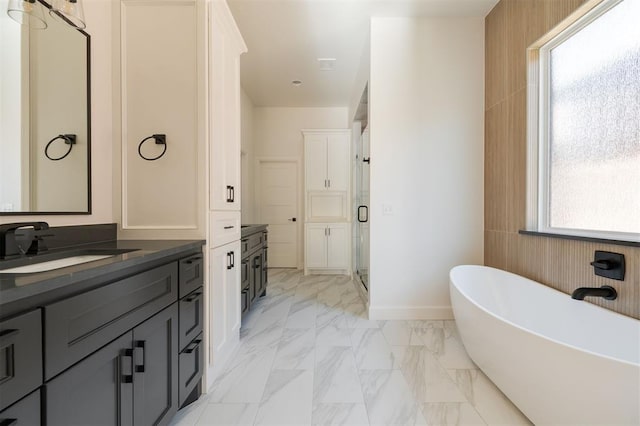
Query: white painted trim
{"type": "Point", "coordinates": [411, 313]}
{"type": "Point", "coordinates": [299, 201]}
{"type": "Point", "coordinates": [219, 9]}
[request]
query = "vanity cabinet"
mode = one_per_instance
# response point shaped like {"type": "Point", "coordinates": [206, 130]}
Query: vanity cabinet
{"type": "Point", "coordinates": [254, 266]}
{"type": "Point", "coordinates": [130, 381]}
{"type": "Point", "coordinates": [125, 351]}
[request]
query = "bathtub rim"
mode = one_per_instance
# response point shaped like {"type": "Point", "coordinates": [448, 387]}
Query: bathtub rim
{"type": "Point", "coordinates": [535, 333]}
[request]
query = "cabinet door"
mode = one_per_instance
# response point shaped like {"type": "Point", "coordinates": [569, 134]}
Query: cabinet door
{"type": "Point", "coordinates": [224, 297]}
{"type": "Point", "coordinates": [96, 391]}
{"type": "Point", "coordinates": [316, 246]}
{"type": "Point", "coordinates": [25, 412]}
{"type": "Point", "coordinates": [256, 271]}
{"type": "Point", "coordinates": [338, 150]}
{"type": "Point", "coordinates": [155, 367]}
{"type": "Point", "coordinates": [315, 154]}
{"type": "Point", "coordinates": [224, 137]}
{"type": "Point", "coordinates": [337, 250]}
{"type": "Point", "coordinates": [160, 79]}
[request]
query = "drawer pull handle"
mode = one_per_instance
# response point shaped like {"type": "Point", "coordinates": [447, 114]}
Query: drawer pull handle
{"type": "Point", "coordinates": [193, 296]}
{"type": "Point", "coordinates": [193, 346]}
{"type": "Point", "coordinates": [8, 422]}
{"type": "Point", "coordinates": [193, 260]}
{"type": "Point", "coordinates": [229, 227]}
{"type": "Point", "coordinates": [140, 367]}
{"type": "Point", "coordinates": [8, 335]}
{"type": "Point", "coordinates": [126, 378]}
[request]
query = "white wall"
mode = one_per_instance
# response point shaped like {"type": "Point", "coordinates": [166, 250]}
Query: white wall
{"type": "Point", "coordinates": [277, 134]}
{"type": "Point", "coordinates": [427, 125]}
{"type": "Point", "coordinates": [99, 21]}
{"type": "Point", "coordinates": [247, 163]}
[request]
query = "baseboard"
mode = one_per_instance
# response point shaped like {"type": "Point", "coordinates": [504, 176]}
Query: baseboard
{"type": "Point", "coordinates": [411, 313]}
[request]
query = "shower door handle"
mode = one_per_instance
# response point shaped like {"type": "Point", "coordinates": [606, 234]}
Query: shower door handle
{"type": "Point", "coordinates": [366, 217]}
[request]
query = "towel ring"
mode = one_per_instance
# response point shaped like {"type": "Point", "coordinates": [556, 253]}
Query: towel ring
{"type": "Point", "coordinates": [68, 139]}
{"type": "Point", "coordinates": [160, 140]}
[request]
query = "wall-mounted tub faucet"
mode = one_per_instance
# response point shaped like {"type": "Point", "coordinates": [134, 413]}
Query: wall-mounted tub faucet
{"type": "Point", "coordinates": [605, 291]}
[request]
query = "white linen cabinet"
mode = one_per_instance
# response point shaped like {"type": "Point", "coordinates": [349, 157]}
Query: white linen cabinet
{"type": "Point", "coordinates": [327, 183]}
{"type": "Point", "coordinates": [180, 77]}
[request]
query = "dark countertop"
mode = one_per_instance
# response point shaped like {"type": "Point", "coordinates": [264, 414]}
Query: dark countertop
{"type": "Point", "coordinates": [247, 230]}
{"type": "Point", "coordinates": [21, 292]}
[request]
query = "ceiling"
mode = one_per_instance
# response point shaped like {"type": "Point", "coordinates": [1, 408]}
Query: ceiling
{"type": "Point", "coordinates": [285, 38]}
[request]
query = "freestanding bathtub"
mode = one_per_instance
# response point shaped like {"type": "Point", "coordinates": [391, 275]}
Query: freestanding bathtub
{"type": "Point", "coordinates": [561, 361]}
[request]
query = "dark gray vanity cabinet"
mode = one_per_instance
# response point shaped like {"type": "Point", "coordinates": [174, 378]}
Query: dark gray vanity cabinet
{"type": "Point", "coordinates": [132, 380]}
{"type": "Point", "coordinates": [254, 265]}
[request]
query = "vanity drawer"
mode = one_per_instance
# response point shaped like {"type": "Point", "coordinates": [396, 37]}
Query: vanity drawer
{"type": "Point", "coordinates": [191, 365]}
{"type": "Point", "coordinates": [191, 317]}
{"type": "Point", "coordinates": [26, 412]}
{"type": "Point", "coordinates": [77, 326]}
{"type": "Point", "coordinates": [191, 274]}
{"type": "Point", "coordinates": [244, 301]}
{"type": "Point", "coordinates": [225, 227]}
{"type": "Point", "coordinates": [255, 241]}
{"type": "Point", "coordinates": [20, 357]}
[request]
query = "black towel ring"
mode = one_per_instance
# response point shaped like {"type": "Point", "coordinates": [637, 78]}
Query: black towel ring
{"type": "Point", "coordinates": [68, 139]}
{"type": "Point", "coordinates": [160, 140]}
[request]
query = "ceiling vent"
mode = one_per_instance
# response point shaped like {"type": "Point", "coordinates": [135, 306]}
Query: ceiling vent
{"type": "Point", "coordinates": [327, 64]}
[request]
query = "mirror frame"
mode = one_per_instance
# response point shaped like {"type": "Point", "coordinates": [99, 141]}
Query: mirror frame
{"type": "Point", "coordinates": [89, 197]}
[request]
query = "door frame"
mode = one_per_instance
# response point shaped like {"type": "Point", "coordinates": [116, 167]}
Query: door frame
{"type": "Point", "coordinates": [259, 161]}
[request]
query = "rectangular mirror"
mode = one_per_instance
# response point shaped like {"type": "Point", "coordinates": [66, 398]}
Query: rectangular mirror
{"type": "Point", "coordinates": [45, 135]}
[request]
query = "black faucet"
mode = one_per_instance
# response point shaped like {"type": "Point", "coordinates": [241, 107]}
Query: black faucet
{"type": "Point", "coordinates": [605, 291]}
{"type": "Point", "coordinates": [9, 246]}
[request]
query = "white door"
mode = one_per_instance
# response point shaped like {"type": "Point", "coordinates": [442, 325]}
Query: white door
{"type": "Point", "coordinates": [277, 190]}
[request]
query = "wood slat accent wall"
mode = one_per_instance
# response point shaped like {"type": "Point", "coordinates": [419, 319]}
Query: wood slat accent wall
{"type": "Point", "coordinates": [510, 28]}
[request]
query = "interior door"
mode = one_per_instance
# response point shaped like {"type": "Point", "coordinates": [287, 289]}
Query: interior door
{"type": "Point", "coordinates": [278, 206]}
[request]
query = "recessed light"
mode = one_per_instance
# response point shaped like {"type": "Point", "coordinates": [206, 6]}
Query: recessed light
{"type": "Point", "coordinates": [296, 82]}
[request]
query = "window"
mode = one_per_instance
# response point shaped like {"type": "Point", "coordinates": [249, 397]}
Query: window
{"type": "Point", "coordinates": [584, 124]}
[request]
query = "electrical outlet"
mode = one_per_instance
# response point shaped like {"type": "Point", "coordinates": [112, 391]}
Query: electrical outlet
{"type": "Point", "coordinates": [387, 210]}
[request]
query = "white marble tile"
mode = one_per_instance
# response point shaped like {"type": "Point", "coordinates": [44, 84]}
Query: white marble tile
{"type": "Point", "coordinates": [397, 333]}
{"type": "Point", "coordinates": [333, 334]}
{"type": "Point", "coordinates": [452, 354]}
{"type": "Point", "coordinates": [267, 336]}
{"type": "Point", "coordinates": [494, 407]}
{"type": "Point", "coordinates": [371, 349]}
{"type": "Point", "coordinates": [336, 376]}
{"type": "Point", "coordinates": [431, 337]}
{"type": "Point", "coordinates": [388, 399]}
{"type": "Point", "coordinates": [356, 317]}
{"type": "Point", "coordinates": [422, 324]}
{"type": "Point", "coordinates": [244, 378]}
{"type": "Point", "coordinates": [296, 350]}
{"type": "Point", "coordinates": [228, 415]}
{"type": "Point", "coordinates": [428, 381]}
{"type": "Point", "coordinates": [302, 314]}
{"type": "Point", "coordinates": [451, 414]}
{"type": "Point", "coordinates": [326, 315]}
{"type": "Point", "coordinates": [287, 399]}
{"type": "Point", "coordinates": [340, 414]}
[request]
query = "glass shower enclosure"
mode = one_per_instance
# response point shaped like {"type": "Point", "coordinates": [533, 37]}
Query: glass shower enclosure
{"type": "Point", "coordinates": [362, 211]}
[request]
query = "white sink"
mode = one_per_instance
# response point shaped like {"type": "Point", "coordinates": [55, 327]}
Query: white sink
{"type": "Point", "coordinates": [55, 264]}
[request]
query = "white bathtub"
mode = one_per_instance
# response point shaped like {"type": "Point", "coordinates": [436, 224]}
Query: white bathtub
{"type": "Point", "coordinates": [561, 361]}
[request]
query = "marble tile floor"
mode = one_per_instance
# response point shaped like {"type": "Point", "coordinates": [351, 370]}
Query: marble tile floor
{"type": "Point", "coordinates": [309, 356]}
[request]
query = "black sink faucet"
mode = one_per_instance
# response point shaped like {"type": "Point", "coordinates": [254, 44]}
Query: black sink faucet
{"type": "Point", "coordinates": [605, 291]}
{"type": "Point", "coordinates": [9, 246]}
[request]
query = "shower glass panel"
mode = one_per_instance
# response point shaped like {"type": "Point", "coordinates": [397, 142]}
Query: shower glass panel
{"type": "Point", "coordinates": [362, 211]}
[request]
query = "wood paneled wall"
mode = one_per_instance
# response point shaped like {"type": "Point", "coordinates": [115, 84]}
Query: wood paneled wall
{"type": "Point", "coordinates": [510, 28]}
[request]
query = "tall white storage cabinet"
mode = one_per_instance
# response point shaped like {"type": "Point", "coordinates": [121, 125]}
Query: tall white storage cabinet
{"type": "Point", "coordinates": [180, 77]}
{"type": "Point", "coordinates": [327, 183]}
{"type": "Point", "coordinates": [225, 45]}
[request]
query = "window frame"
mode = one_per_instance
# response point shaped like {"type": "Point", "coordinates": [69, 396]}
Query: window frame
{"type": "Point", "coordinates": [538, 129]}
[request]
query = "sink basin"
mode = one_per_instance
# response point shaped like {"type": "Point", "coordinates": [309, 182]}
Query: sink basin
{"type": "Point", "coordinates": [56, 260]}
{"type": "Point", "coordinates": [55, 264]}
